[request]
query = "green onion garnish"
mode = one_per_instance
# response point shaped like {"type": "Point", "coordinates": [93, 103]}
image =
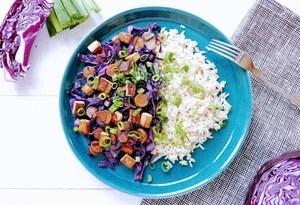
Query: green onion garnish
{"type": "Point", "coordinates": [159, 108]}
{"type": "Point", "coordinates": [120, 93]}
{"type": "Point", "coordinates": [112, 108]}
{"type": "Point", "coordinates": [131, 105]}
{"type": "Point", "coordinates": [115, 77]}
{"type": "Point", "coordinates": [128, 82]}
{"type": "Point", "coordinates": [144, 57]}
{"type": "Point", "coordinates": [107, 128]}
{"type": "Point", "coordinates": [113, 131]}
{"type": "Point", "coordinates": [114, 86]}
{"type": "Point", "coordinates": [223, 124]}
{"type": "Point", "coordinates": [122, 54]}
{"type": "Point", "coordinates": [186, 82]}
{"type": "Point", "coordinates": [119, 62]}
{"type": "Point", "coordinates": [121, 125]}
{"type": "Point", "coordinates": [174, 144]}
{"type": "Point", "coordinates": [213, 105]}
{"type": "Point", "coordinates": [147, 38]}
{"type": "Point", "coordinates": [169, 56]}
{"type": "Point", "coordinates": [176, 100]}
{"type": "Point", "coordinates": [167, 78]}
{"type": "Point", "coordinates": [106, 141]}
{"type": "Point", "coordinates": [118, 102]}
{"type": "Point", "coordinates": [134, 134]}
{"type": "Point", "coordinates": [162, 119]}
{"type": "Point", "coordinates": [180, 132]}
{"type": "Point", "coordinates": [166, 166]}
{"type": "Point", "coordinates": [197, 88]}
{"type": "Point", "coordinates": [185, 68]}
{"type": "Point", "coordinates": [137, 159]}
{"type": "Point", "coordinates": [137, 111]}
{"type": "Point", "coordinates": [96, 83]}
{"type": "Point", "coordinates": [157, 141]}
{"type": "Point", "coordinates": [151, 165]}
{"type": "Point", "coordinates": [90, 79]}
{"type": "Point", "coordinates": [102, 96]}
{"type": "Point", "coordinates": [140, 90]}
{"type": "Point", "coordinates": [155, 78]}
{"type": "Point", "coordinates": [80, 112]}
{"type": "Point", "coordinates": [149, 178]}
{"type": "Point", "coordinates": [76, 129]}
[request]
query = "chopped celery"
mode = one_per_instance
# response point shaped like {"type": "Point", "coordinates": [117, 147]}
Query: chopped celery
{"type": "Point", "coordinates": [62, 15]}
{"type": "Point", "coordinates": [93, 6]}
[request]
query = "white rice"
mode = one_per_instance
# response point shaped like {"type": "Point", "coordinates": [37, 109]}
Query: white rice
{"type": "Point", "coordinates": [197, 127]}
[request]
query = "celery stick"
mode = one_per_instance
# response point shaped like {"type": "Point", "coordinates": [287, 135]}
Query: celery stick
{"type": "Point", "coordinates": [81, 8]}
{"type": "Point", "coordinates": [52, 17]}
{"type": "Point", "coordinates": [93, 6]}
{"type": "Point", "coordinates": [61, 14]}
{"type": "Point", "coordinates": [70, 8]}
{"type": "Point", "coordinates": [50, 28]}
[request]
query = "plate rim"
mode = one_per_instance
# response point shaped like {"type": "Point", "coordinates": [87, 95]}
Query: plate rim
{"type": "Point", "coordinates": [196, 186]}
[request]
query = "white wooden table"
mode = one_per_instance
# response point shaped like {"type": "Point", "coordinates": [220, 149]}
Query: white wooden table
{"type": "Point", "coordinates": [37, 165]}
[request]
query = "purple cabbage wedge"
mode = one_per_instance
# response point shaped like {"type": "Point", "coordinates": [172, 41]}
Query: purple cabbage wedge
{"type": "Point", "coordinates": [277, 181]}
{"type": "Point", "coordinates": [18, 31]}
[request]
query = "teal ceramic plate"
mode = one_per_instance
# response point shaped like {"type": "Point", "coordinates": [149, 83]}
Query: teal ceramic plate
{"type": "Point", "coordinates": [219, 151]}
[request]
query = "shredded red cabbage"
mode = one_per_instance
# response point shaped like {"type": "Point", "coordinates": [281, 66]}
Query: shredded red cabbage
{"type": "Point", "coordinates": [101, 61]}
{"type": "Point", "coordinates": [277, 182]}
{"type": "Point", "coordinates": [18, 31]}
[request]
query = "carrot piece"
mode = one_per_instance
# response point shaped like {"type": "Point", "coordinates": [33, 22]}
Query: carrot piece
{"type": "Point", "coordinates": [126, 149]}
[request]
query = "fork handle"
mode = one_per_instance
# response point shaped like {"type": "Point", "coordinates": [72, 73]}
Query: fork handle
{"type": "Point", "coordinates": [257, 73]}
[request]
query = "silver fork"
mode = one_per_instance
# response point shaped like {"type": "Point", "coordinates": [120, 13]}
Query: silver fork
{"type": "Point", "coordinates": [240, 57]}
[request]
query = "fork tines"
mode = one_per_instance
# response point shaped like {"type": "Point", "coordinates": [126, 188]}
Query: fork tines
{"type": "Point", "coordinates": [226, 50]}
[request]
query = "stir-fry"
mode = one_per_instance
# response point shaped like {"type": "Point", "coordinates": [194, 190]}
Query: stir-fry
{"type": "Point", "coordinates": [115, 100]}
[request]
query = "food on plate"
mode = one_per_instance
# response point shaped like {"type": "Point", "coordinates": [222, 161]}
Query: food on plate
{"type": "Point", "coordinates": [277, 181]}
{"type": "Point", "coordinates": [145, 94]}
{"type": "Point", "coordinates": [18, 31]}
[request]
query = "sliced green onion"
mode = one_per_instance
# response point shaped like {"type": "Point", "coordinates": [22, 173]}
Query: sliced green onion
{"type": "Point", "coordinates": [210, 69]}
{"type": "Point", "coordinates": [223, 124]}
{"type": "Point", "coordinates": [76, 129]}
{"type": "Point", "coordinates": [120, 93]}
{"type": "Point", "coordinates": [140, 90]}
{"type": "Point", "coordinates": [155, 78]}
{"type": "Point", "coordinates": [107, 128]}
{"type": "Point", "coordinates": [112, 108]}
{"type": "Point", "coordinates": [122, 54]}
{"type": "Point", "coordinates": [213, 105]}
{"type": "Point", "coordinates": [106, 141]}
{"type": "Point", "coordinates": [114, 86]}
{"type": "Point", "coordinates": [185, 68]}
{"type": "Point", "coordinates": [169, 56]}
{"type": "Point", "coordinates": [157, 141]}
{"type": "Point", "coordinates": [159, 108]}
{"type": "Point", "coordinates": [180, 132]}
{"type": "Point", "coordinates": [151, 165]}
{"type": "Point", "coordinates": [167, 78]}
{"type": "Point", "coordinates": [174, 144]}
{"type": "Point", "coordinates": [134, 134]}
{"type": "Point", "coordinates": [102, 96]}
{"type": "Point", "coordinates": [144, 57]}
{"type": "Point", "coordinates": [166, 166]}
{"type": "Point", "coordinates": [137, 159]}
{"type": "Point", "coordinates": [128, 82]}
{"type": "Point", "coordinates": [137, 111]}
{"type": "Point", "coordinates": [121, 125]}
{"type": "Point", "coordinates": [113, 131]}
{"type": "Point", "coordinates": [131, 105]}
{"type": "Point", "coordinates": [176, 100]}
{"type": "Point", "coordinates": [118, 102]}
{"type": "Point", "coordinates": [194, 112]}
{"type": "Point", "coordinates": [149, 178]}
{"type": "Point", "coordinates": [147, 38]}
{"type": "Point", "coordinates": [90, 79]}
{"type": "Point", "coordinates": [80, 112]}
{"type": "Point", "coordinates": [115, 77]}
{"type": "Point", "coordinates": [119, 62]}
{"type": "Point", "coordinates": [163, 119]}
{"type": "Point", "coordinates": [186, 82]}
{"type": "Point", "coordinates": [197, 88]}
{"type": "Point", "coordinates": [96, 83]}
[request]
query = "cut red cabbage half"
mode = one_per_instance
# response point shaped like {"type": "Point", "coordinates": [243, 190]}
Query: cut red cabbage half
{"type": "Point", "coordinates": [18, 31]}
{"type": "Point", "coordinates": [277, 182]}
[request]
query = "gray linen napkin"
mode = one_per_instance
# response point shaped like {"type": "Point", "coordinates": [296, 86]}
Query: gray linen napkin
{"type": "Point", "coordinates": [270, 33]}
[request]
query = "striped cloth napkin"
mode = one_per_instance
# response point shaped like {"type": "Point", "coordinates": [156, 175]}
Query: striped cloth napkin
{"type": "Point", "coordinates": [270, 33]}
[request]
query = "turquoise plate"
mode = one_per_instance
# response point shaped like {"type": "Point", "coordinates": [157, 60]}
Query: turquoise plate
{"type": "Point", "coordinates": [219, 151]}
